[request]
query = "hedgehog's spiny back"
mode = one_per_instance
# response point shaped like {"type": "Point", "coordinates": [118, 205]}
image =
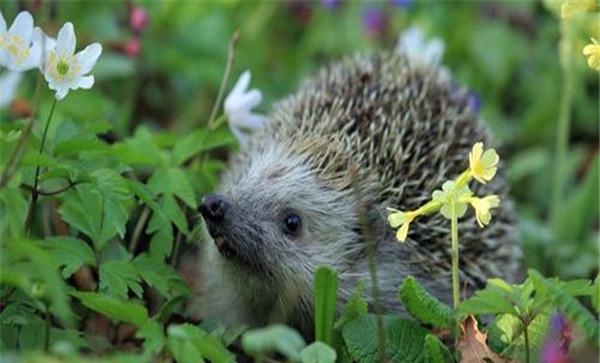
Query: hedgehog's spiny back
{"type": "Point", "coordinates": [408, 130]}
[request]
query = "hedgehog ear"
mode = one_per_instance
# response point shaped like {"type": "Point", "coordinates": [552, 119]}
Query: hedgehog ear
{"type": "Point", "coordinates": [372, 222]}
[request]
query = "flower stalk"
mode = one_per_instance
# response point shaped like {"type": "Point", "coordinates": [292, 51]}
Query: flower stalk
{"type": "Point", "coordinates": [452, 200]}
{"type": "Point", "coordinates": [35, 192]}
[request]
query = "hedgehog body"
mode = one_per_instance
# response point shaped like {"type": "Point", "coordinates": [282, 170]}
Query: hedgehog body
{"type": "Point", "coordinates": [309, 189]}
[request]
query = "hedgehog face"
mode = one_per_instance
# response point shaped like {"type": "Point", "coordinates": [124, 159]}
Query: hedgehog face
{"type": "Point", "coordinates": [274, 219]}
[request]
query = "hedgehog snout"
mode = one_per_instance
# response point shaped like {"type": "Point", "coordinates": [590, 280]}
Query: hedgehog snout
{"type": "Point", "coordinates": [214, 207]}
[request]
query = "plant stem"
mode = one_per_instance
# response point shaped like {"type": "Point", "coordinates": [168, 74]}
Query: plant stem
{"type": "Point", "coordinates": [454, 231]}
{"type": "Point", "coordinates": [35, 192]}
{"type": "Point", "coordinates": [230, 58]}
{"type": "Point", "coordinates": [526, 334]}
{"type": "Point", "coordinates": [139, 227]}
{"type": "Point", "coordinates": [562, 133]}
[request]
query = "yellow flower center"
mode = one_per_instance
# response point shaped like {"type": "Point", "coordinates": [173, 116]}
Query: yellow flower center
{"type": "Point", "coordinates": [15, 46]}
{"type": "Point", "coordinates": [62, 68]}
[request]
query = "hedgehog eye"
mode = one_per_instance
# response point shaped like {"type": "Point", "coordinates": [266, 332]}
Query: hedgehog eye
{"type": "Point", "coordinates": [291, 224]}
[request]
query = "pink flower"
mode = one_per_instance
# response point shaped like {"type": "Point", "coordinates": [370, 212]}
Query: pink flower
{"type": "Point", "coordinates": [138, 18]}
{"type": "Point", "coordinates": [552, 353]}
{"type": "Point", "coordinates": [132, 47]}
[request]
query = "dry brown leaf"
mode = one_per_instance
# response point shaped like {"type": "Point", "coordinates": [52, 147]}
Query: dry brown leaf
{"type": "Point", "coordinates": [472, 345]}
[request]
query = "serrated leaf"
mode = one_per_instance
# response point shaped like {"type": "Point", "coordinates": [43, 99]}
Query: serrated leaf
{"type": "Point", "coordinates": [72, 253]}
{"type": "Point", "coordinates": [326, 284]}
{"type": "Point", "coordinates": [567, 304]}
{"type": "Point", "coordinates": [152, 334]}
{"type": "Point", "coordinates": [494, 299]}
{"type": "Point", "coordinates": [404, 339]}
{"type": "Point", "coordinates": [199, 141]}
{"type": "Point", "coordinates": [423, 305]}
{"type": "Point", "coordinates": [182, 188]}
{"type": "Point", "coordinates": [318, 352]}
{"type": "Point", "coordinates": [156, 273]}
{"type": "Point", "coordinates": [117, 277]}
{"type": "Point", "coordinates": [274, 338]}
{"type": "Point", "coordinates": [435, 351]}
{"type": "Point", "coordinates": [113, 308]}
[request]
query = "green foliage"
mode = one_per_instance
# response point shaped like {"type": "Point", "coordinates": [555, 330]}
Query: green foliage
{"type": "Point", "coordinates": [565, 302]}
{"type": "Point", "coordinates": [355, 307]}
{"type": "Point", "coordinates": [318, 352]}
{"type": "Point", "coordinates": [404, 339]}
{"type": "Point", "coordinates": [275, 338]}
{"type": "Point", "coordinates": [423, 305]}
{"type": "Point", "coordinates": [125, 163]}
{"type": "Point", "coordinates": [113, 308]}
{"type": "Point", "coordinates": [325, 303]}
{"type": "Point", "coordinates": [435, 351]}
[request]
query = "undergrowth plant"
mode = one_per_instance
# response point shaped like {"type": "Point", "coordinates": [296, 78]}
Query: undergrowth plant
{"type": "Point", "coordinates": [91, 227]}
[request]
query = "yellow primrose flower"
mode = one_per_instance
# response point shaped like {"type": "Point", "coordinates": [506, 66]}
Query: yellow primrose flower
{"type": "Point", "coordinates": [402, 220]}
{"type": "Point", "coordinates": [592, 51]}
{"type": "Point", "coordinates": [482, 208]}
{"type": "Point", "coordinates": [483, 164]}
{"type": "Point", "coordinates": [452, 197]}
{"type": "Point", "coordinates": [570, 8]}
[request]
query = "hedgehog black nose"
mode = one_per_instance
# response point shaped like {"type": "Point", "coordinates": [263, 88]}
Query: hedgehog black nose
{"type": "Point", "coordinates": [213, 207]}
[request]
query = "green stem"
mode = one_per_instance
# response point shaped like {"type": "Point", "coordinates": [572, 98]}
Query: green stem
{"type": "Point", "coordinates": [526, 335]}
{"type": "Point", "coordinates": [455, 282]}
{"type": "Point", "coordinates": [36, 178]}
{"type": "Point", "coordinates": [562, 134]}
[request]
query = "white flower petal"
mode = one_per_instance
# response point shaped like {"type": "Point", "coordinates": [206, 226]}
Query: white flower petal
{"type": "Point", "coordinates": [87, 58]}
{"type": "Point", "coordinates": [48, 43]}
{"type": "Point", "coordinates": [9, 82]}
{"type": "Point", "coordinates": [34, 59]}
{"type": "Point", "coordinates": [433, 51]}
{"type": "Point", "coordinates": [65, 41]}
{"type": "Point", "coordinates": [2, 23]}
{"type": "Point", "coordinates": [238, 134]}
{"type": "Point", "coordinates": [83, 82]}
{"type": "Point", "coordinates": [242, 84]}
{"type": "Point", "coordinates": [22, 26]}
{"type": "Point", "coordinates": [61, 92]}
{"type": "Point", "coordinates": [251, 121]}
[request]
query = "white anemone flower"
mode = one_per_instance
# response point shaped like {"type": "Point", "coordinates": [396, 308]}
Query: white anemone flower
{"type": "Point", "coordinates": [419, 50]}
{"type": "Point", "coordinates": [9, 82]}
{"type": "Point", "coordinates": [238, 108]}
{"type": "Point", "coordinates": [18, 50]}
{"type": "Point", "coordinates": [63, 69]}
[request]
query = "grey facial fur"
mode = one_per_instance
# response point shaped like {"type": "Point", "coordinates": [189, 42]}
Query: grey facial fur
{"type": "Point", "coordinates": [366, 133]}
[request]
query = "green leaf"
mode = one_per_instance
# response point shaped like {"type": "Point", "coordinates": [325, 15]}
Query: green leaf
{"type": "Point", "coordinates": [506, 335]}
{"type": "Point", "coordinates": [117, 277]}
{"type": "Point", "coordinates": [579, 204]}
{"type": "Point", "coordinates": [152, 334]}
{"type": "Point", "coordinates": [355, 307]}
{"type": "Point", "coordinates": [318, 352]}
{"type": "Point", "coordinates": [326, 284]}
{"type": "Point", "coordinates": [99, 210]}
{"type": "Point", "coordinates": [274, 338]}
{"type": "Point", "coordinates": [596, 294]}
{"type": "Point", "coordinates": [206, 345]}
{"type": "Point", "coordinates": [13, 211]}
{"type": "Point", "coordinates": [423, 305]}
{"type": "Point", "coordinates": [158, 274]}
{"type": "Point", "coordinates": [435, 351]}
{"type": "Point", "coordinates": [494, 299]}
{"type": "Point", "coordinates": [113, 308]}
{"type": "Point", "coordinates": [404, 339]}
{"type": "Point", "coordinates": [199, 141]}
{"type": "Point", "coordinates": [566, 303]}
{"type": "Point", "coordinates": [72, 253]}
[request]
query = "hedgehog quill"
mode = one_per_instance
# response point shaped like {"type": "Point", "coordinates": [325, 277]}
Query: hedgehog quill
{"type": "Point", "coordinates": [287, 204]}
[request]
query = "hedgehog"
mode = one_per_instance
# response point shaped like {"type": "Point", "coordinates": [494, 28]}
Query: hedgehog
{"type": "Point", "coordinates": [311, 188]}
